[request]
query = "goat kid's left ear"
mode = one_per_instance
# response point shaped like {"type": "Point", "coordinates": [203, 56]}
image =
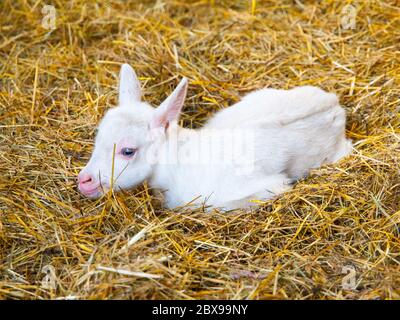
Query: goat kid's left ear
{"type": "Point", "coordinates": [170, 109]}
{"type": "Point", "coordinates": [129, 86]}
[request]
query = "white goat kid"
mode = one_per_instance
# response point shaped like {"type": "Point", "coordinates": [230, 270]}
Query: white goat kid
{"type": "Point", "coordinates": [250, 151]}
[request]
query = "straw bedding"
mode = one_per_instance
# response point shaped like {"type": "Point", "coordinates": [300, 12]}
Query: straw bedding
{"type": "Point", "coordinates": [56, 85]}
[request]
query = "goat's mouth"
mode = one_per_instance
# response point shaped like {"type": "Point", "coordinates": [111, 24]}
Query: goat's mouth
{"type": "Point", "coordinates": [92, 192]}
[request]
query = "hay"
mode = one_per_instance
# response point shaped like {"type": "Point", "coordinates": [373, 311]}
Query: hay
{"type": "Point", "coordinates": [55, 87]}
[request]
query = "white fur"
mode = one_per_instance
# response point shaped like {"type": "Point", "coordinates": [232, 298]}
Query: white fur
{"type": "Point", "coordinates": [280, 136]}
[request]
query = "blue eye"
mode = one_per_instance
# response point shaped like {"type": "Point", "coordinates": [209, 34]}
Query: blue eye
{"type": "Point", "coordinates": [128, 152]}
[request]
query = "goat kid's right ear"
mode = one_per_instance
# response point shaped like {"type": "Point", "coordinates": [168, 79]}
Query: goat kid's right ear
{"type": "Point", "coordinates": [129, 86]}
{"type": "Point", "coordinates": [170, 109]}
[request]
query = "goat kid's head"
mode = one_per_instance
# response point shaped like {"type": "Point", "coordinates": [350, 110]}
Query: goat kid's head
{"type": "Point", "coordinates": [127, 136]}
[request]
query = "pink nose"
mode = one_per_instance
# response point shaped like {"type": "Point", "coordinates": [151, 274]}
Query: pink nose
{"type": "Point", "coordinates": [87, 183]}
{"type": "Point", "coordinates": [84, 179]}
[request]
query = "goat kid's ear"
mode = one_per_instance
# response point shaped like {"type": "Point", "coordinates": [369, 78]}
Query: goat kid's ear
{"type": "Point", "coordinates": [170, 109]}
{"type": "Point", "coordinates": [129, 86]}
